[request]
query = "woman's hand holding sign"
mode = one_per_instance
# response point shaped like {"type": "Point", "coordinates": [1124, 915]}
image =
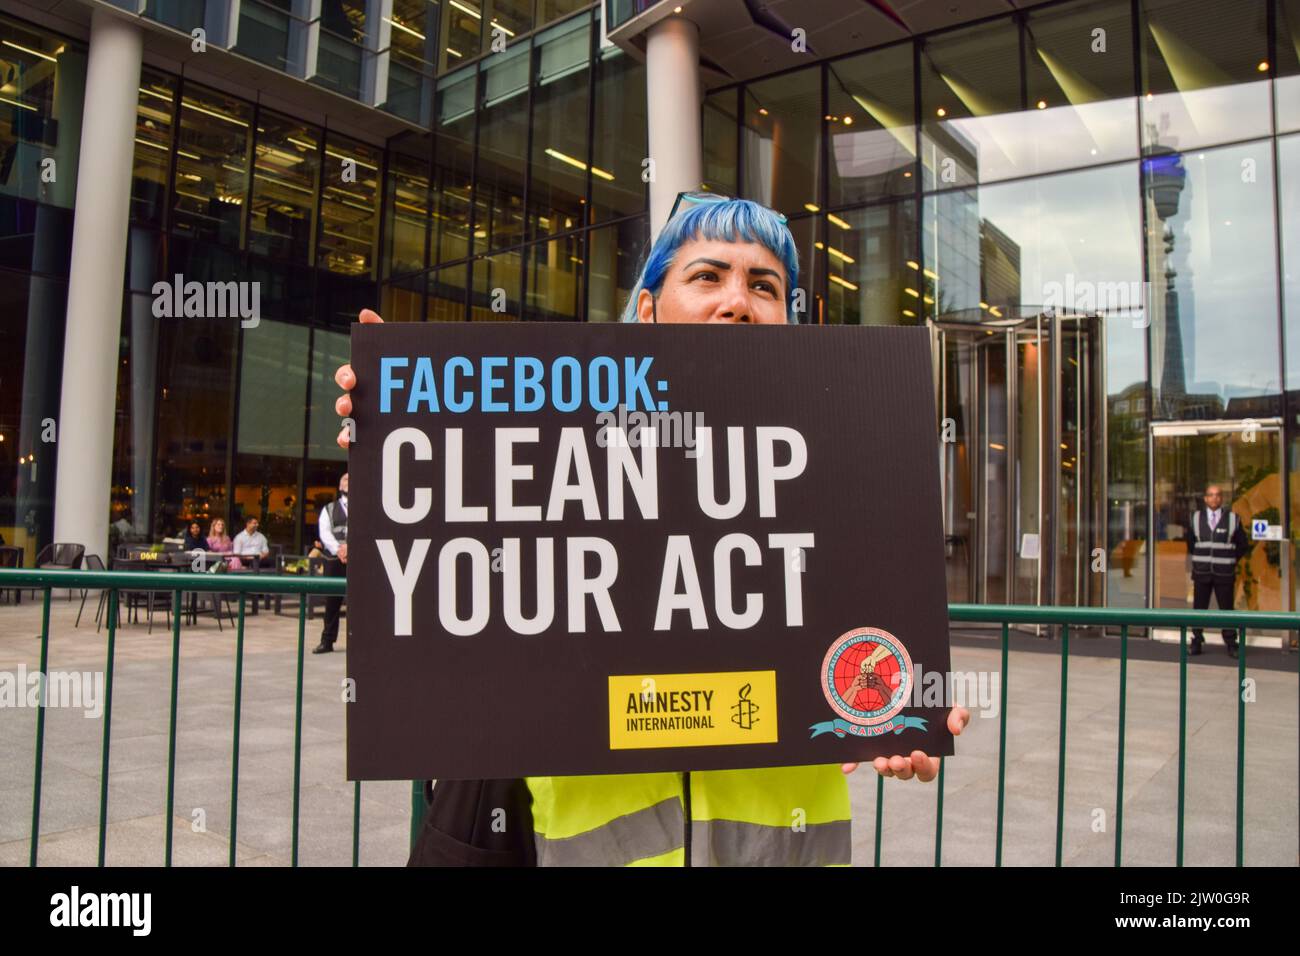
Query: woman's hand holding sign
{"type": "Point", "coordinates": [917, 764]}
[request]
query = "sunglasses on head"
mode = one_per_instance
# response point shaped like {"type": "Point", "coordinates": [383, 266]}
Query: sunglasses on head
{"type": "Point", "coordinates": [685, 200]}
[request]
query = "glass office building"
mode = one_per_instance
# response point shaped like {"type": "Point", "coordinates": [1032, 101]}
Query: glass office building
{"type": "Point", "coordinates": [1092, 206]}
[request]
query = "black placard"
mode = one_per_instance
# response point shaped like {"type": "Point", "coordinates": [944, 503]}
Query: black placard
{"type": "Point", "coordinates": [834, 559]}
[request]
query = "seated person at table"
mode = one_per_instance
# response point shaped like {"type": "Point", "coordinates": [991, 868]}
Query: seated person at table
{"type": "Point", "coordinates": [193, 538]}
{"type": "Point", "coordinates": [251, 543]}
{"type": "Point", "coordinates": [219, 543]}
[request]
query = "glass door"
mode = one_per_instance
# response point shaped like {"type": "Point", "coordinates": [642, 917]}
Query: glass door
{"type": "Point", "coordinates": [1244, 459]}
{"type": "Point", "coordinates": [1020, 457]}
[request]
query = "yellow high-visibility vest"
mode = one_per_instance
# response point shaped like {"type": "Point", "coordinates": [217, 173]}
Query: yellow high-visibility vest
{"type": "Point", "coordinates": [774, 816]}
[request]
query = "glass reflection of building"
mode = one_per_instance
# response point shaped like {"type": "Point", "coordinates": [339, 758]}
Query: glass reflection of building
{"type": "Point", "coordinates": [422, 156]}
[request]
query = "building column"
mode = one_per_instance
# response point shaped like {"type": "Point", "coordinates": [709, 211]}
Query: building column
{"type": "Point", "coordinates": [95, 285]}
{"type": "Point", "coordinates": [673, 102]}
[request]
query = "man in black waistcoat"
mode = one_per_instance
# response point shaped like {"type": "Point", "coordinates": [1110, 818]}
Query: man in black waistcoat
{"type": "Point", "coordinates": [333, 533]}
{"type": "Point", "coordinates": [1216, 542]}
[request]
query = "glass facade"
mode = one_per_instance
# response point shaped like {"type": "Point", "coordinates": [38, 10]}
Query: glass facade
{"type": "Point", "coordinates": [1092, 204]}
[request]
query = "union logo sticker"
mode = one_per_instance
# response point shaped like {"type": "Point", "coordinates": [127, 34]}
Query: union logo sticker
{"type": "Point", "coordinates": [867, 679]}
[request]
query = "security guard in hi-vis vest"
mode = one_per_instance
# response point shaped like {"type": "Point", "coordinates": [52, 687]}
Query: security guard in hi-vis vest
{"type": "Point", "coordinates": [1216, 541]}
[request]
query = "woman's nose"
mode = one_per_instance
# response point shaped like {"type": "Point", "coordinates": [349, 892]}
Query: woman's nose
{"type": "Point", "coordinates": [735, 303]}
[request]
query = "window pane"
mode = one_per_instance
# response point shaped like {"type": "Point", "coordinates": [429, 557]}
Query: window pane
{"type": "Point", "coordinates": [555, 279]}
{"type": "Point", "coordinates": [1002, 249]}
{"type": "Point", "coordinates": [502, 150]}
{"type": "Point", "coordinates": [782, 141]}
{"type": "Point", "coordinates": [1082, 110]}
{"type": "Point", "coordinates": [866, 260]}
{"type": "Point", "coordinates": [1286, 92]}
{"type": "Point", "coordinates": [329, 350]}
{"type": "Point", "coordinates": [413, 39]}
{"type": "Point", "coordinates": [211, 165]}
{"type": "Point", "coordinates": [32, 313]}
{"type": "Point", "coordinates": [349, 206]}
{"type": "Point", "coordinates": [402, 300]}
{"type": "Point", "coordinates": [272, 396]}
{"type": "Point", "coordinates": [503, 20]}
{"type": "Point", "coordinates": [1210, 255]}
{"type": "Point", "coordinates": [285, 180]}
{"type": "Point", "coordinates": [970, 105]}
{"type": "Point", "coordinates": [558, 189]}
{"type": "Point", "coordinates": [613, 259]}
{"type": "Point", "coordinates": [719, 140]}
{"type": "Point", "coordinates": [264, 34]}
{"type": "Point", "coordinates": [619, 146]}
{"type": "Point", "coordinates": [496, 288]}
{"type": "Point", "coordinates": [872, 131]}
{"type": "Point", "coordinates": [1288, 152]}
{"type": "Point", "coordinates": [153, 146]}
{"type": "Point", "coordinates": [462, 21]}
{"type": "Point", "coordinates": [453, 160]}
{"type": "Point", "coordinates": [1201, 77]}
{"type": "Point", "coordinates": [407, 218]}
{"type": "Point", "coordinates": [447, 295]}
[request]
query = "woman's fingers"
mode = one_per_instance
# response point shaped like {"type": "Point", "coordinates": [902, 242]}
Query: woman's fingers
{"type": "Point", "coordinates": [345, 378]}
{"type": "Point", "coordinates": [901, 766]}
{"type": "Point", "coordinates": [343, 406]}
{"type": "Point", "coordinates": [848, 768]}
{"type": "Point", "coordinates": [958, 718]}
{"type": "Point", "coordinates": [927, 768]}
{"type": "Point", "coordinates": [368, 316]}
{"type": "Point", "coordinates": [343, 438]}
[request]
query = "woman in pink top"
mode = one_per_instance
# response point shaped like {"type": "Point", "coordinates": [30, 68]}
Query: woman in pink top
{"type": "Point", "coordinates": [219, 542]}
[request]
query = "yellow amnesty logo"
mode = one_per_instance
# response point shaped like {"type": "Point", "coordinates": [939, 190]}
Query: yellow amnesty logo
{"type": "Point", "coordinates": [692, 710]}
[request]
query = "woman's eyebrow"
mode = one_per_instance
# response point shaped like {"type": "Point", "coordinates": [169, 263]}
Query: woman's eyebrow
{"type": "Point", "coordinates": [716, 263]}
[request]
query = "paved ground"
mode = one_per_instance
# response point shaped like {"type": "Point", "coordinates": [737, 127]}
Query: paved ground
{"type": "Point", "coordinates": [137, 774]}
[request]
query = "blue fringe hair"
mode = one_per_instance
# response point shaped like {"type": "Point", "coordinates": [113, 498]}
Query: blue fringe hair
{"type": "Point", "coordinates": [731, 220]}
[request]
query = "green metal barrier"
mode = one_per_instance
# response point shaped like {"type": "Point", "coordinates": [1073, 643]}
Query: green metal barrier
{"type": "Point", "coordinates": [302, 586]}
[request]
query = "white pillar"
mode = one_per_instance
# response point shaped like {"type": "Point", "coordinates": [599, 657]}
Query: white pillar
{"type": "Point", "coordinates": [95, 286]}
{"type": "Point", "coordinates": [673, 102]}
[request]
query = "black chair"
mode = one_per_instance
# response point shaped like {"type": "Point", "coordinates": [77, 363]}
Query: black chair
{"type": "Point", "coordinates": [93, 563]}
{"type": "Point", "coordinates": [11, 557]}
{"type": "Point", "coordinates": [138, 599]}
{"type": "Point", "coordinates": [60, 557]}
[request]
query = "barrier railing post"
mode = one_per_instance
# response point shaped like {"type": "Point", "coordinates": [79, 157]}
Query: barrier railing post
{"type": "Point", "coordinates": [1182, 737]}
{"type": "Point", "coordinates": [108, 722]}
{"type": "Point", "coordinates": [234, 750]}
{"type": "Point", "coordinates": [356, 823]}
{"type": "Point", "coordinates": [297, 728]}
{"type": "Point", "coordinates": [880, 812]}
{"type": "Point", "coordinates": [1002, 744]}
{"type": "Point", "coordinates": [1060, 760]}
{"type": "Point", "coordinates": [40, 727]}
{"type": "Point", "coordinates": [1119, 768]}
{"type": "Point", "coordinates": [1241, 744]}
{"type": "Point", "coordinates": [938, 830]}
{"type": "Point", "coordinates": [417, 810]}
{"type": "Point", "coordinates": [171, 732]}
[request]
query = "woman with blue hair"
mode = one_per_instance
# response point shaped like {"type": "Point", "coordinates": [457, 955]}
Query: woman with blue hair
{"type": "Point", "coordinates": [719, 260]}
{"type": "Point", "coordinates": [716, 261]}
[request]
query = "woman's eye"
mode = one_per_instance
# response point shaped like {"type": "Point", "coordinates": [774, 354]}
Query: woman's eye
{"type": "Point", "coordinates": [711, 276]}
{"type": "Point", "coordinates": [767, 287]}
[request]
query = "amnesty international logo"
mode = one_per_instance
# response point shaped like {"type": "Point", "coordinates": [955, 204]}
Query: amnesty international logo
{"type": "Point", "coordinates": [867, 678]}
{"type": "Point", "coordinates": [743, 711]}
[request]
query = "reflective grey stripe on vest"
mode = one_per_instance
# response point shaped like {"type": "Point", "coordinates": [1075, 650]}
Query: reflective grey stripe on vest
{"type": "Point", "coordinates": [729, 843]}
{"type": "Point", "coordinates": [635, 836]}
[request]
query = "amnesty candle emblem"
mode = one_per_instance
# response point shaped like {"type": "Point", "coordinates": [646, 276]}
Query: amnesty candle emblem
{"type": "Point", "coordinates": [689, 710]}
